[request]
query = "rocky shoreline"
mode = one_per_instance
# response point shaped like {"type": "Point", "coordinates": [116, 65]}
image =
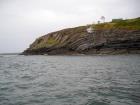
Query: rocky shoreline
{"type": "Point", "coordinates": [78, 41]}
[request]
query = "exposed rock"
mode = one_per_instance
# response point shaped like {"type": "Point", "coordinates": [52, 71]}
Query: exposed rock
{"type": "Point", "coordinates": [78, 40]}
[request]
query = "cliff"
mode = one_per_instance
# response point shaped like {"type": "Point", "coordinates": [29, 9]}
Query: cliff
{"type": "Point", "coordinates": [107, 38]}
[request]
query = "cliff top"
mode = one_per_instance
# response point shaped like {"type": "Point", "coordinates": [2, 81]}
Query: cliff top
{"type": "Point", "coordinates": [130, 24]}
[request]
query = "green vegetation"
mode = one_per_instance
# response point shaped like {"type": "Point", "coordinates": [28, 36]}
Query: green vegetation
{"type": "Point", "coordinates": [133, 24]}
{"type": "Point", "coordinates": [45, 43]}
{"type": "Point", "coordinates": [74, 31]}
{"type": "Point", "coordinates": [104, 26]}
{"type": "Point", "coordinates": [130, 24]}
{"type": "Point", "coordinates": [51, 41]}
{"type": "Point", "coordinates": [117, 20]}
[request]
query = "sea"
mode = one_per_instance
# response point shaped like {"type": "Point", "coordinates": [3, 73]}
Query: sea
{"type": "Point", "coordinates": [70, 80]}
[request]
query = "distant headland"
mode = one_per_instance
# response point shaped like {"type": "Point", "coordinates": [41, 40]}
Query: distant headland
{"type": "Point", "coordinates": [116, 37]}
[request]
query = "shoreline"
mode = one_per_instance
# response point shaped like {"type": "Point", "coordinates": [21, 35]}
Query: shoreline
{"type": "Point", "coordinates": [91, 52]}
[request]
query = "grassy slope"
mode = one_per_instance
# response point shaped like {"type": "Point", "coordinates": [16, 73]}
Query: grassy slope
{"type": "Point", "coordinates": [130, 24]}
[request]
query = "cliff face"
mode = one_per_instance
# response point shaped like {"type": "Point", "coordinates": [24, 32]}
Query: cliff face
{"type": "Point", "coordinates": [106, 39]}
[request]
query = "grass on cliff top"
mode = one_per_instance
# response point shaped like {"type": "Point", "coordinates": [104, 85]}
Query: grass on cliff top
{"type": "Point", "coordinates": [73, 31]}
{"type": "Point", "coordinates": [130, 24]}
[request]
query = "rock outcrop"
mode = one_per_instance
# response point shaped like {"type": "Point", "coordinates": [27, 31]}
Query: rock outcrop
{"type": "Point", "coordinates": [104, 40]}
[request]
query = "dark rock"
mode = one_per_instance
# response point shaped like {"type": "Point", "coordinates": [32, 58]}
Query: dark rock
{"type": "Point", "coordinates": [78, 41]}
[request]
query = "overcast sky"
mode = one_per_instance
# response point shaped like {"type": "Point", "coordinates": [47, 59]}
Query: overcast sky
{"type": "Point", "coordinates": [22, 21]}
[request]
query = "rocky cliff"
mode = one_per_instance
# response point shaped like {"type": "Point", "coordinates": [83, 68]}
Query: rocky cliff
{"type": "Point", "coordinates": [106, 38]}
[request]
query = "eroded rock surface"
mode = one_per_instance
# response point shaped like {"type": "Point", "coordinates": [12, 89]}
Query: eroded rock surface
{"type": "Point", "coordinates": [79, 41]}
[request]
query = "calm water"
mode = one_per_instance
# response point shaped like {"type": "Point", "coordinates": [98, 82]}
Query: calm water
{"type": "Point", "coordinates": [70, 80]}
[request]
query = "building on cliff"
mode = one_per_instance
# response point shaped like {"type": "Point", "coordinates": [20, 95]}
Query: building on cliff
{"type": "Point", "coordinates": [117, 20]}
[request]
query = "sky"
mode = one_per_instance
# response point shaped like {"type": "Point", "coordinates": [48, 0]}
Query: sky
{"type": "Point", "coordinates": [22, 21]}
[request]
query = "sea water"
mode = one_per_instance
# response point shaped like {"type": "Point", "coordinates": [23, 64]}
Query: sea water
{"type": "Point", "coordinates": [70, 80]}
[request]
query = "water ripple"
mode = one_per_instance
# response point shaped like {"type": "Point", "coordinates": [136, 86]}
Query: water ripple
{"type": "Point", "coordinates": [70, 80]}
